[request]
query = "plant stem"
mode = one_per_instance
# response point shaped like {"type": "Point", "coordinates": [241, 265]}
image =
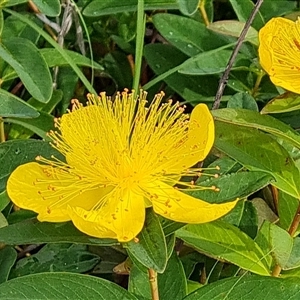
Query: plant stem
{"type": "Point", "coordinates": [2, 133]}
{"type": "Point", "coordinates": [257, 83]}
{"type": "Point", "coordinates": [224, 78]}
{"type": "Point", "coordinates": [203, 12]}
{"type": "Point", "coordinates": [292, 230]}
{"type": "Point", "coordinates": [140, 33]}
{"type": "Point", "coordinates": [153, 284]}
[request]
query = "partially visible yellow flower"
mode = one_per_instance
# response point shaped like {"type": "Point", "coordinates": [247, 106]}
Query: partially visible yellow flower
{"type": "Point", "coordinates": [121, 157]}
{"type": "Point", "coordinates": [279, 52]}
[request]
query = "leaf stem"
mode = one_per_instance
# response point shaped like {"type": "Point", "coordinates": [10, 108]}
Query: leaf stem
{"type": "Point", "coordinates": [2, 133]}
{"type": "Point", "coordinates": [292, 230]}
{"type": "Point", "coordinates": [224, 78]}
{"type": "Point", "coordinates": [140, 33]}
{"type": "Point", "coordinates": [153, 284]}
{"type": "Point", "coordinates": [203, 12]}
{"type": "Point", "coordinates": [257, 82]}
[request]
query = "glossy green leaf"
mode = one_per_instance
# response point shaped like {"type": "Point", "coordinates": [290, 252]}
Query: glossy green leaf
{"type": "Point", "coordinates": [34, 232]}
{"type": "Point", "coordinates": [214, 63]}
{"type": "Point", "coordinates": [226, 242]}
{"type": "Point", "coordinates": [187, 35]}
{"type": "Point", "coordinates": [29, 65]}
{"type": "Point", "coordinates": [232, 186]}
{"type": "Point", "coordinates": [53, 58]}
{"type": "Point", "coordinates": [105, 7]}
{"type": "Point", "coordinates": [40, 125]}
{"type": "Point", "coordinates": [243, 11]}
{"type": "Point", "coordinates": [282, 103]}
{"type": "Point", "coordinates": [265, 123]}
{"type": "Point", "coordinates": [48, 8]}
{"type": "Point", "coordinates": [150, 249]}
{"type": "Point", "coordinates": [56, 258]}
{"type": "Point", "coordinates": [249, 288]}
{"type": "Point", "coordinates": [265, 154]}
{"type": "Point", "coordinates": [234, 28]}
{"type": "Point", "coordinates": [13, 106]}
{"type": "Point", "coordinates": [8, 256]}
{"type": "Point", "coordinates": [67, 286]}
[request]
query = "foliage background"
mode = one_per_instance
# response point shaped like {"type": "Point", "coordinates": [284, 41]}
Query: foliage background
{"type": "Point", "coordinates": [51, 52]}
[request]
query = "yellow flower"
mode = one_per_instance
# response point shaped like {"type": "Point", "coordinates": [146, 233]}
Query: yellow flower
{"type": "Point", "coordinates": [279, 52]}
{"type": "Point", "coordinates": [121, 157]}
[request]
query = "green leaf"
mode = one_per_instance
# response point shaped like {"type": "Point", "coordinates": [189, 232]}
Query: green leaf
{"type": "Point", "coordinates": [48, 8]}
{"type": "Point", "coordinates": [249, 288]}
{"type": "Point", "coordinates": [171, 283]}
{"type": "Point", "coordinates": [282, 103]}
{"type": "Point", "coordinates": [62, 286]}
{"type": "Point", "coordinates": [40, 125]}
{"type": "Point", "coordinates": [294, 258]}
{"type": "Point", "coordinates": [242, 100]}
{"type": "Point", "coordinates": [98, 8]}
{"type": "Point", "coordinates": [165, 61]}
{"type": "Point", "coordinates": [271, 8]}
{"type": "Point", "coordinates": [53, 58]}
{"type": "Point", "coordinates": [234, 28]}
{"type": "Point", "coordinates": [226, 242]}
{"type": "Point", "coordinates": [281, 244]}
{"type": "Point", "coordinates": [214, 63]}
{"type": "Point", "coordinates": [188, 8]}
{"type": "Point", "coordinates": [287, 208]}
{"type": "Point", "coordinates": [151, 248]}
{"type": "Point", "coordinates": [247, 118]}
{"type": "Point", "coordinates": [29, 65]}
{"type": "Point", "coordinates": [243, 11]}
{"type": "Point", "coordinates": [187, 35]}
{"type": "Point", "coordinates": [56, 258]}
{"type": "Point", "coordinates": [232, 186]}
{"type": "Point", "coordinates": [4, 200]}
{"type": "Point", "coordinates": [8, 256]}
{"type": "Point", "coordinates": [55, 45]}
{"type": "Point", "coordinates": [13, 106]}
{"type": "Point", "coordinates": [34, 232]}
{"type": "Point", "coordinates": [8, 3]}
{"type": "Point", "coordinates": [264, 155]}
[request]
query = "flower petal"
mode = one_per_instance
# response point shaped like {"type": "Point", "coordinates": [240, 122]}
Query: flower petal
{"type": "Point", "coordinates": [200, 139]}
{"type": "Point", "coordinates": [279, 52]}
{"type": "Point", "coordinates": [122, 217]}
{"type": "Point", "coordinates": [32, 186]}
{"type": "Point", "coordinates": [173, 204]}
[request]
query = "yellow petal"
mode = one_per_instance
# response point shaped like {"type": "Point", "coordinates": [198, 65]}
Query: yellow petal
{"type": "Point", "coordinates": [201, 135]}
{"type": "Point", "coordinates": [172, 204]}
{"type": "Point", "coordinates": [122, 217]}
{"type": "Point", "coordinates": [279, 52]}
{"type": "Point", "coordinates": [32, 186]}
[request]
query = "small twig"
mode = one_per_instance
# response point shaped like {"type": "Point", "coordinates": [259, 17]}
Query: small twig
{"type": "Point", "coordinates": [153, 284]}
{"type": "Point", "coordinates": [224, 78]}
